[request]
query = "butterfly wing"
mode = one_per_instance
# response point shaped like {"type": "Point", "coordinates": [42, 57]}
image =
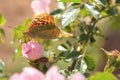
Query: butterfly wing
{"type": "Point", "coordinates": [43, 26]}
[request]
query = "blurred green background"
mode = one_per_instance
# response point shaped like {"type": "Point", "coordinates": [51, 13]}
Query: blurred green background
{"type": "Point", "coordinates": [16, 11]}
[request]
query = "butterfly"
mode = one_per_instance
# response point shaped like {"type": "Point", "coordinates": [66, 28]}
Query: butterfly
{"type": "Point", "coordinates": [43, 26]}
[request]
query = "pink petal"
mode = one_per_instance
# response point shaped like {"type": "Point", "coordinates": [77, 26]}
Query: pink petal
{"type": "Point", "coordinates": [14, 77]}
{"type": "Point", "coordinates": [77, 76]}
{"type": "Point", "coordinates": [53, 74]}
{"type": "Point", "coordinates": [32, 50]}
{"type": "Point", "coordinates": [40, 6]}
{"type": "Point", "coordinates": [30, 73]}
{"type": "Point", "coordinates": [25, 49]}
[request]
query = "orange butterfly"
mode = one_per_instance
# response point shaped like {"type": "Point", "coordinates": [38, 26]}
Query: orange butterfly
{"type": "Point", "coordinates": [43, 26]}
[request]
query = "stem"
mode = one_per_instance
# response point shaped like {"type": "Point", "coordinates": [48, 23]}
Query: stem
{"type": "Point", "coordinates": [99, 20]}
{"type": "Point", "coordinates": [73, 65]}
{"type": "Point", "coordinates": [34, 64]}
{"type": "Point", "coordinates": [84, 53]}
{"type": "Point", "coordinates": [111, 65]}
{"type": "Point", "coordinates": [107, 65]}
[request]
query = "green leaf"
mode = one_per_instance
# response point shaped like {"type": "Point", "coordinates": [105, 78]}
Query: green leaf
{"type": "Point", "coordinates": [112, 11]}
{"type": "Point", "coordinates": [2, 20]}
{"type": "Point", "coordinates": [82, 37]}
{"type": "Point", "coordinates": [26, 22]}
{"type": "Point", "coordinates": [4, 78]}
{"type": "Point", "coordinates": [75, 1]}
{"type": "Point", "coordinates": [62, 48]}
{"type": "Point", "coordinates": [117, 1]}
{"type": "Point", "coordinates": [57, 11]}
{"type": "Point", "coordinates": [73, 54]}
{"type": "Point", "coordinates": [69, 16]}
{"type": "Point", "coordinates": [81, 65]}
{"type": "Point", "coordinates": [103, 76]}
{"type": "Point", "coordinates": [68, 42]}
{"type": "Point", "coordinates": [2, 33]}
{"type": "Point", "coordinates": [18, 31]}
{"type": "Point", "coordinates": [90, 62]}
{"type": "Point", "coordinates": [83, 12]}
{"type": "Point", "coordinates": [18, 52]}
{"type": "Point", "coordinates": [92, 9]}
{"type": "Point", "coordinates": [102, 2]}
{"type": "Point", "coordinates": [2, 66]}
{"type": "Point", "coordinates": [92, 39]}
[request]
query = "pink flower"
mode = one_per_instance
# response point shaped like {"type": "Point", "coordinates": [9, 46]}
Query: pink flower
{"type": "Point", "coordinates": [14, 77]}
{"type": "Point", "coordinates": [77, 76]}
{"type": "Point", "coordinates": [52, 74]}
{"type": "Point", "coordinates": [30, 73]}
{"type": "Point", "coordinates": [40, 6]}
{"type": "Point", "coordinates": [32, 50]}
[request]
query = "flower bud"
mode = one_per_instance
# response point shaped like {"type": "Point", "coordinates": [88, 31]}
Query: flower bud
{"type": "Point", "coordinates": [32, 50]}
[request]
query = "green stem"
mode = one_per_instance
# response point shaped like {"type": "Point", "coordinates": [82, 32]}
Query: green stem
{"type": "Point", "coordinates": [84, 53]}
{"type": "Point", "coordinates": [34, 64]}
{"type": "Point", "coordinates": [72, 65]}
{"type": "Point", "coordinates": [110, 66]}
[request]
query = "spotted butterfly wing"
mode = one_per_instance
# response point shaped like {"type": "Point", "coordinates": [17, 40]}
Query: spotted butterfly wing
{"type": "Point", "coordinates": [43, 26]}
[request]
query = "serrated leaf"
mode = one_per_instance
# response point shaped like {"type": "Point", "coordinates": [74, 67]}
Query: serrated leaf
{"type": "Point", "coordinates": [2, 20]}
{"type": "Point", "coordinates": [81, 66]}
{"type": "Point", "coordinates": [2, 33]}
{"type": "Point", "coordinates": [92, 9]}
{"type": "Point", "coordinates": [90, 62]}
{"type": "Point", "coordinates": [75, 1]}
{"type": "Point", "coordinates": [69, 16]}
{"type": "Point", "coordinates": [2, 66]}
{"type": "Point", "coordinates": [103, 76]}
{"type": "Point", "coordinates": [102, 2]}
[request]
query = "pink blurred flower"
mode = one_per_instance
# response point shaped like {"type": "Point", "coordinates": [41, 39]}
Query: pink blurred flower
{"type": "Point", "coordinates": [14, 77]}
{"type": "Point", "coordinates": [30, 73]}
{"type": "Point", "coordinates": [40, 6]}
{"type": "Point", "coordinates": [77, 76]}
{"type": "Point", "coordinates": [53, 74]}
{"type": "Point", "coordinates": [32, 50]}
